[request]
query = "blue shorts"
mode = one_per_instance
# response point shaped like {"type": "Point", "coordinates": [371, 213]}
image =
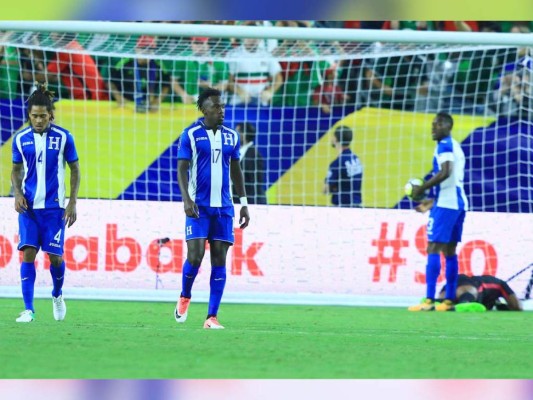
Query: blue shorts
{"type": "Point", "coordinates": [215, 223]}
{"type": "Point", "coordinates": [43, 229]}
{"type": "Point", "coordinates": [445, 225]}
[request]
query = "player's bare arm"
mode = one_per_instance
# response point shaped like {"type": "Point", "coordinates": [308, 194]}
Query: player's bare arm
{"type": "Point", "coordinates": [21, 204]}
{"type": "Point", "coordinates": [70, 214]}
{"type": "Point", "coordinates": [190, 207]}
{"type": "Point", "coordinates": [442, 175]}
{"type": "Point", "coordinates": [238, 180]}
{"type": "Point", "coordinates": [514, 304]}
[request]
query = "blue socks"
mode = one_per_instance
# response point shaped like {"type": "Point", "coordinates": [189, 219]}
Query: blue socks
{"type": "Point", "coordinates": [452, 272]}
{"type": "Point", "coordinates": [187, 278]}
{"type": "Point", "coordinates": [58, 277]}
{"type": "Point", "coordinates": [27, 280]}
{"type": "Point", "coordinates": [432, 274]}
{"type": "Point", "coordinates": [217, 283]}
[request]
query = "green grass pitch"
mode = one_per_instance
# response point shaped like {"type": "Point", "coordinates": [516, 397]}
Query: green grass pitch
{"type": "Point", "coordinates": [110, 340]}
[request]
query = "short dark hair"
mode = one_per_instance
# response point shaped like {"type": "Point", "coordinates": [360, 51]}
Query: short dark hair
{"type": "Point", "coordinates": [447, 117]}
{"type": "Point", "coordinates": [344, 135]}
{"type": "Point", "coordinates": [41, 96]}
{"type": "Point", "coordinates": [207, 93]}
{"type": "Point", "coordinates": [248, 130]}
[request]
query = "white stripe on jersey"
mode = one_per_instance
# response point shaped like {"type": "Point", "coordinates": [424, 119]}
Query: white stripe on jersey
{"type": "Point", "coordinates": [243, 152]}
{"type": "Point", "coordinates": [39, 200]}
{"type": "Point", "coordinates": [216, 167]}
{"type": "Point", "coordinates": [449, 188]}
{"type": "Point", "coordinates": [18, 139]}
{"type": "Point", "coordinates": [193, 179]}
{"type": "Point", "coordinates": [61, 169]}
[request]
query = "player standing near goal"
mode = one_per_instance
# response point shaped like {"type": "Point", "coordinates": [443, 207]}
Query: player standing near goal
{"type": "Point", "coordinates": [208, 161]}
{"type": "Point", "coordinates": [448, 209]}
{"type": "Point", "coordinates": [38, 177]}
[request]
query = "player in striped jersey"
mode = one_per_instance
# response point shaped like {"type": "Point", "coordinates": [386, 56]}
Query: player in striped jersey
{"type": "Point", "coordinates": [208, 162]}
{"type": "Point", "coordinates": [40, 152]}
{"type": "Point", "coordinates": [486, 290]}
{"type": "Point", "coordinates": [448, 209]}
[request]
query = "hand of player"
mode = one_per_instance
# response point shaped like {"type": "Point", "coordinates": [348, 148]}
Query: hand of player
{"type": "Point", "coordinates": [424, 205]}
{"type": "Point", "coordinates": [417, 191]}
{"type": "Point", "coordinates": [70, 216]}
{"type": "Point", "coordinates": [191, 209]}
{"type": "Point", "coordinates": [244, 219]}
{"type": "Point", "coordinates": [21, 205]}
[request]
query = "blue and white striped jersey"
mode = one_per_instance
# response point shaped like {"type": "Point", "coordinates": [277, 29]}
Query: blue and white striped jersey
{"type": "Point", "coordinates": [450, 193]}
{"type": "Point", "coordinates": [44, 157]}
{"type": "Point", "coordinates": [210, 154]}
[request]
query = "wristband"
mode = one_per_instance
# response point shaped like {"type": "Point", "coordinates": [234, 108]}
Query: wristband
{"type": "Point", "coordinates": [244, 201]}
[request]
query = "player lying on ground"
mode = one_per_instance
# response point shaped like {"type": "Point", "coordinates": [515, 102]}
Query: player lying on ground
{"type": "Point", "coordinates": [486, 290]}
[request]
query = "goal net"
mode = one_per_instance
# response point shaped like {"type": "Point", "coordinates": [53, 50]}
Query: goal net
{"type": "Point", "coordinates": [385, 92]}
{"type": "Point", "coordinates": [127, 91]}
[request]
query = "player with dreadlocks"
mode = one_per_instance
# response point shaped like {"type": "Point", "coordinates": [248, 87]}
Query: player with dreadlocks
{"type": "Point", "coordinates": [40, 152]}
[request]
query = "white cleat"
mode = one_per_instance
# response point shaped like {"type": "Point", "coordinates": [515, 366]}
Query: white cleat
{"type": "Point", "coordinates": [59, 307]}
{"type": "Point", "coordinates": [26, 316]}
{"type": "Point", "coordinates": [212, 323]}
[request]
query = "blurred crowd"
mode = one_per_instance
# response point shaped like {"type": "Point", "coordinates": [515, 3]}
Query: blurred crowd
{"type": "Point", "coordinates": [148, 70]}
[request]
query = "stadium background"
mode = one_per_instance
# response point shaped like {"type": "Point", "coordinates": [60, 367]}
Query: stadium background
{"type": "Point", "coordinates": [151, 174]}
{"type": "Point", "coordinates": [469, 127]}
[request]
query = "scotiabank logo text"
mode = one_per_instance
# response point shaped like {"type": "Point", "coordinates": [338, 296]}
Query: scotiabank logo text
{"type": "Point", "coordinates": [91, 247]}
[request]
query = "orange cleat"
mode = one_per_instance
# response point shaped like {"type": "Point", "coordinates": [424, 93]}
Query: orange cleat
{"type": "Point", "coordinates": [182, 306]}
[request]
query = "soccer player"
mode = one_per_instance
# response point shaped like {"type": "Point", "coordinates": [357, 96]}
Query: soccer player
{"type": "Point", "coordinates": [345, 174]}
{"type": "Point", "coordinates": [445, 225]}
{"type": "Point", "coordinates": [486, 290]}
{"type": "Point", "coordinates": [208, 161]}
{"type": "Point", "coordinates": [38, 177]}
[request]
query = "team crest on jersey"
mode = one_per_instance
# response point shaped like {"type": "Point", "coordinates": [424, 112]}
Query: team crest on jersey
{"type": "Point", "coordinates": [53, 143]}
{"type": "Point", "coordinates": [228, 138]}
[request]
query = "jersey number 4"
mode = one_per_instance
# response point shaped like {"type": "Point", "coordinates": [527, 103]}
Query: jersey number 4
{"type": "Point", "coordinates": [40, 159]}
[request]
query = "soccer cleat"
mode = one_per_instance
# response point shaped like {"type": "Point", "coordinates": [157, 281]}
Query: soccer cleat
{"type": "Point", "coordinates": [470, 307]}
{"type": "Point", "coordinates": [426, 305]}
{"type": "Point", "coordinates": [212, 323]}
{"type": "Point", "coordinates": [446, 305]}
{"type": "Point", "coordinates": [181, 310]}
{"type": "Point", "coordinates": [59, 307]}
{"type": "Point", "coordinates": [26, 316]}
